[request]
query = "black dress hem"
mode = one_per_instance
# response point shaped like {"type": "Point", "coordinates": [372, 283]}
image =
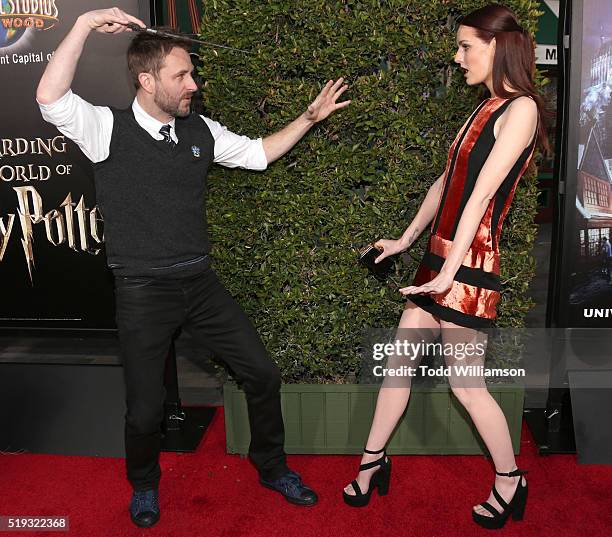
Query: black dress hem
{"type": "Point", "coordinates": [451, 315]}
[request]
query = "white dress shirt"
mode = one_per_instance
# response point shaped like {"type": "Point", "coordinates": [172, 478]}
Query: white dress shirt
{"type": "Point", "coordinates": [91, 127]}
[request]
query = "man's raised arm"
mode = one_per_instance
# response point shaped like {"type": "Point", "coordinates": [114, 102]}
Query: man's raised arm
{"type": "Point", "coordinates": [58, 75]}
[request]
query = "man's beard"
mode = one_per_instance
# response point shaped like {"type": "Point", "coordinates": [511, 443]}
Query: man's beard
{"type": "Point", "coordinates": [170, 105]}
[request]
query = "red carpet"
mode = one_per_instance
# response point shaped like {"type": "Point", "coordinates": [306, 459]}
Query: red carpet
{"type": "Point", "coordinates": [213, 494]}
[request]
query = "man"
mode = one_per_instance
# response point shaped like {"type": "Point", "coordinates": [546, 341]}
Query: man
{"type": "Point", "coordinates": [150, 167]}
{"type": "Point", "coordinates": [606, 252]}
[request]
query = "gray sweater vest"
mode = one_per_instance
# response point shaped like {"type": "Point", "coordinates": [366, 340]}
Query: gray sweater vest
{"type": "Point", "coordinates": [152, 198]}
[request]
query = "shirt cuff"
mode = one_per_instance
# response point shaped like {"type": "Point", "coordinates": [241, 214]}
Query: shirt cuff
{"type": "Point", "coordinates": [62, 101]}
{"type": "Point", "coordinates": [258, 160]}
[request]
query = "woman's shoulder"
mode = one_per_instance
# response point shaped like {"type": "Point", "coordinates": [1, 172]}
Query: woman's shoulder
{"type": "Point", "coordinates": [524, 106]}
{"type": "Point", "coordinates": [520, 118]}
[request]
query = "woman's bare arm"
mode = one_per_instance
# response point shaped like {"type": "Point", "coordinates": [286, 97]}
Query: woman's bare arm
{"type": "Point", "coordinates": [425, 214]}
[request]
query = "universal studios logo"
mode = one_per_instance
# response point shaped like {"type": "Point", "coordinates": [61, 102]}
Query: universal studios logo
{"type": "Point", "coordinates": [16, 16]}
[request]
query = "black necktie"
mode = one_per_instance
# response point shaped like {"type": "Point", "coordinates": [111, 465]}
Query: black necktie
{"type": "Point", "coordinates": [165, 132]}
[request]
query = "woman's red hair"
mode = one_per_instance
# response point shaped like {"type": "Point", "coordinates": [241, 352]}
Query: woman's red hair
{"type": "Point", "coordinates": [514, 60]}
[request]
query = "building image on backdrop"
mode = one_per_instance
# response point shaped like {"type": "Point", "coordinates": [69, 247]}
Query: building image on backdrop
{"type": "Point", "coordinates": [592, 275]}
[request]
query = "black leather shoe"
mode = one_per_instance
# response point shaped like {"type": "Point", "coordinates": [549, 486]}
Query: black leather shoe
{"type": "Point", "coordinates": [291, 487]}
{"type": "Point", "coordinates": [144, 508]}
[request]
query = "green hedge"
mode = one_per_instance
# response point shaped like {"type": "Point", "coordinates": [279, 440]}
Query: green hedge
{"type": "Point", "coordinates": [284, 240]}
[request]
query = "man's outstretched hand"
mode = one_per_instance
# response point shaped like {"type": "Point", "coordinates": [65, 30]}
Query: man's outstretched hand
{"type": "Point", "coordinates": [325, 103]}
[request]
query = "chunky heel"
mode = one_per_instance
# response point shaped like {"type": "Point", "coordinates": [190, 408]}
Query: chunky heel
{"type": "Point", "coordinates": [516, 507]}
{"type": "Point", "coordinates": [380, 480]}
{"type": "Point", "coordinates": [384, 478]}
{"type": "Point", "coordinates": [519, 510]}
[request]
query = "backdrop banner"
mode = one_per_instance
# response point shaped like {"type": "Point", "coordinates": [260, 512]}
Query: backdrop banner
{"type": "Point", "coordinates": [52, 262]}
{"type": "Point", "coordinates": [589, 221]}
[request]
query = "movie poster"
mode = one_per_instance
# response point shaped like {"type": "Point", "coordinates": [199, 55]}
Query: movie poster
{"type": "Point", "coordinates": [590, 292]}
{"type": "Point", "coordinates": [52, 265]}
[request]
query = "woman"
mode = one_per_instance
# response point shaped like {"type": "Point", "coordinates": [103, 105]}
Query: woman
{"type": "Point", "coordinates": [456, 288]}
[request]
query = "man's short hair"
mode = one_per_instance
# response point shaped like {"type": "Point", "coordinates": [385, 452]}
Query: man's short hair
{"type": "Point", "coordinates": [147, 52]}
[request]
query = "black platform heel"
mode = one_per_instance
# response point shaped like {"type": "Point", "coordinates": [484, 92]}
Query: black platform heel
{"type": "Point", "coordinates": [516, 507]}
{"type": "Point", "coordinates": [380, 479]}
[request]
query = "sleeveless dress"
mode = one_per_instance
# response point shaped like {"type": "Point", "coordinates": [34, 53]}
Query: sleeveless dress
{"type": "Point", "coordinates": [472, 299]}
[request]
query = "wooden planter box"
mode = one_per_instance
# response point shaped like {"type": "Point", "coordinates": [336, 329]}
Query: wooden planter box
{"type": "Point", "coordinates": [336, 418]}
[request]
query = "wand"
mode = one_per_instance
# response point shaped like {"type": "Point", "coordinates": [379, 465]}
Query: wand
{"type": "Point", "coordinates": [135, 28]}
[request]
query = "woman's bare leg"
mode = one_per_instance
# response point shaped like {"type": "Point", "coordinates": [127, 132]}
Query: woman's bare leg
{"type": "Point", "coordinates": [393, 396]}
{"type": "Point", "coordinates": [486, 414]}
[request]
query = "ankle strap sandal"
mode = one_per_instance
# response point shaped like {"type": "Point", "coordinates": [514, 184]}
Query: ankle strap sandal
{"type": "Point", "coordinates": [380, 479]}
{"type": "Point", "coordinates": [516, 506]}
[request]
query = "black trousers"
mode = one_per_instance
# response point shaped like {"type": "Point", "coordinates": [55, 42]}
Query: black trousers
{"type": "Point", "coordinates": [148, 313]}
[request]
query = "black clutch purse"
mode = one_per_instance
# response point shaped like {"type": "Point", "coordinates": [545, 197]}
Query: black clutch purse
{"type": "Point", "coordinates": [381, 270]}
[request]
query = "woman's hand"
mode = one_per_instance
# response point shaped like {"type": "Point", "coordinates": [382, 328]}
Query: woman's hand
{"type": "Point", "coordinates": [388, 247]}
{"type": "Point", "coordinates": [440, 284]}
